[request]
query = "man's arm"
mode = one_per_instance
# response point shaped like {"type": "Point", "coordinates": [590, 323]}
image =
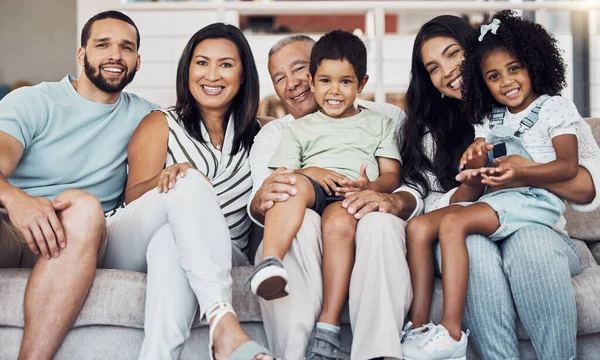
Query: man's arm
{"type": "Point", "coordinates": [268, 186]}
{"type": "Point", "coordinates": [34, 217]}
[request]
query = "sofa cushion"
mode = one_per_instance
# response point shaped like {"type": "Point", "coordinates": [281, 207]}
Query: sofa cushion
{"type": "Point", "coordinates": [587, 259]}
{"type": "Point", "coordinates": [595, 248]}
{"type": "Point", "coordinates": [116, 298]}
{"type": "Point", "coordinates": [587, 293]}
{"type": "Point", "coordinates": [583, 226]}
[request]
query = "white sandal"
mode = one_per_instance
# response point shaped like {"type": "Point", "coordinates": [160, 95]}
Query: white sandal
{"type": "Point", "coordinates": [246, 351]}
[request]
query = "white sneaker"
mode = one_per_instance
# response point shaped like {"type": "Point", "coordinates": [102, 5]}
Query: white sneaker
{"type": "Point", "coordinates": [435, 344]}
{"type": "Point", "coordinates": [408, 333]}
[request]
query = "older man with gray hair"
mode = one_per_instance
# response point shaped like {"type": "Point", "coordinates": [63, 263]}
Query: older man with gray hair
{"type": "Point", "coordinates": [380, 290]}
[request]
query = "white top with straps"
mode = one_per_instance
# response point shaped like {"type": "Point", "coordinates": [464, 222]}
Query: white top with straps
{"type": "Point", "coordinates": [230, 175]}
{"type": "Point", "coordinates": [557, 116]}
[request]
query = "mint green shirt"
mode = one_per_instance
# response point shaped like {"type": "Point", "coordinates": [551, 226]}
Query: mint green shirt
{"type": "Point", "coordinates": [340, 145]}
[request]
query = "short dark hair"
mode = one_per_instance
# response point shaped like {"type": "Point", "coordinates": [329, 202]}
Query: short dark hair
{"type": "Point", "coordinates": [110, 14]}
{"type": "Point", "coordinates": [244, 106]}
{"type": "Point", "coordinates": [529, 43]}
{"type": "Point", "coordinates": [340, 45]}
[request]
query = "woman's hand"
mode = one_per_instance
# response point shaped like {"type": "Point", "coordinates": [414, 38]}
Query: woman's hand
{"type": "Point", "coordinates": [168, 177]}
{"type": "Point", "coordinates": [471, 177]}
{"type": "Point", "coordinates": [363, 202]}
{"type": "Point", "coordinates": [475, 150]}
{"type": "Point", "coordinates": [328, 179]}
{"type": "Point", "coordinates": [351, 186]}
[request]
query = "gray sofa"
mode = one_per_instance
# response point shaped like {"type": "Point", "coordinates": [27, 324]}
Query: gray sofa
{"type": "Point", "coordinates": [110, 325]}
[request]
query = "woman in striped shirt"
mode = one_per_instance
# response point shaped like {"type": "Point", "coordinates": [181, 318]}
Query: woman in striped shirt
{"type": "Point", "coordinates": [189, 181]}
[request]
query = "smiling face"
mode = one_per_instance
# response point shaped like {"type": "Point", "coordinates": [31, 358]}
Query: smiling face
{"type": "Point", "coordinates": [288, 68]}
{"type": "Point", "coordinates": [335, 86]}
{"type": "Point", "coordinates": [215, 74]}
{"type": "Point", "coordinates": [508, 80]}
{"type": "Point", "coordinates": [110, 58]}
{"type": "Point", "coordinates": [442, 58]}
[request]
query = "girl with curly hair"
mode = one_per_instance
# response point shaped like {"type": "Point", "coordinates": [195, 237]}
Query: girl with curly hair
{"type": "Point", "coordinates": [505, 80]}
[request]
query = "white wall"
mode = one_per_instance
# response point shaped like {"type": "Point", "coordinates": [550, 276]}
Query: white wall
{"type": "Point", "coordinates": [594, 82]}
{"type": "Point", "coordinates": [38, 40]}
{"type": "Point", "coordinates": [164, 34]}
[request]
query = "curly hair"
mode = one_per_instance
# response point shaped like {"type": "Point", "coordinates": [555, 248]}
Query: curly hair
{"type": "Point", "coordinates": [527, 41]}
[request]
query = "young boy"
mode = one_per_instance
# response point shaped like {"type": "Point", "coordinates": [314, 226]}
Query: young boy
{"type": "Point", "coordinates": [337, 150]}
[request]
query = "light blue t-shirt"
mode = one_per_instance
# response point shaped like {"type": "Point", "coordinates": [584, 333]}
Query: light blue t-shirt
{"type": "Point", "coordinates": [71, 142]}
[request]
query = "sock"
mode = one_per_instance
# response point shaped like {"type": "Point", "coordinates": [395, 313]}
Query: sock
{"type": "Point", "coordinates": [328, 327]}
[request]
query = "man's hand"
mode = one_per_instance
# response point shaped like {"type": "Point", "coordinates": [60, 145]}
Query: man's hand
{"type": "Point", "coordinates": [363, 202]}
{"type": "Point", "coordinates": [328, 179]}
{"type": "Point", "coordinates": [278, 187]}
{"type": "Point", "coordinates": [352, 186]}
{"type": "Point", "coordinates": [475, 150]}
{"type": "Point", "coordinates": [36, 219]}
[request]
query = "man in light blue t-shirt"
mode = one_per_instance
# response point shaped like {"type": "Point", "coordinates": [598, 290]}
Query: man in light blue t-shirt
{"type": "Point", "coordinates": [63, 166]}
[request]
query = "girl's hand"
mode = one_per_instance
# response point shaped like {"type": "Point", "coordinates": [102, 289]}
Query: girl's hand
{"type": "Point", "coordinates": [504, 176]}
{"type": "Point", "coordinates": [352, 186]}
{"type": "Point", "coordinates": [475, 150]}
{"type": "Point", "coordinates": [328, 179]}
{"type": "Point", "coordinates": [169, 175]}
{"type": "Point", "coordinates": [515, 160]}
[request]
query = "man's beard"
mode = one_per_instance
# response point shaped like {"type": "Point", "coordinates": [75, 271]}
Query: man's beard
{"type": "Point", "coordinates": [95, 76]}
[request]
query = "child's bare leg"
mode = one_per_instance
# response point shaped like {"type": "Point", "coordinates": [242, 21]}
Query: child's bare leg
{"type": "Point", "coordinates": [421, 234]}
{"type": "Point", "coordinates": [339, 229]}
{"type": "Point", "coordinates": [478, 218]}
{"type": "Point", "coordinates": [284, 219]}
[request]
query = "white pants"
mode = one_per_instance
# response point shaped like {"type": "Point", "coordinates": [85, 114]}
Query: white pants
{"type": "Point", "coordinates": [380, 290]}
{"type": "Point", "coordinates": [185, 240]}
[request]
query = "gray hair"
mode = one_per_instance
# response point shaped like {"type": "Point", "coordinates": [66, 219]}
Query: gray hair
{"type": "Point", "coordinates": [289, 40]}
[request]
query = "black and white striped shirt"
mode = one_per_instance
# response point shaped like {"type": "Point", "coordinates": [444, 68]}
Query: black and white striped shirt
{"type": "Point", "coordinates": [230, 175]}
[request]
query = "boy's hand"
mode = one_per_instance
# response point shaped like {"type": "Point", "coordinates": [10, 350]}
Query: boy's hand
{"type": "Point", "coordinates": [475, 150]}
{"type": "Point", "coordinates": [352, 186]}
{"type": "Point", "coordinates": [328, 179]}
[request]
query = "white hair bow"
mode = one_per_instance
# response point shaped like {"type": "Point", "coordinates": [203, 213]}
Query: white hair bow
{"type": "Point", "coordinates": [493, 27]}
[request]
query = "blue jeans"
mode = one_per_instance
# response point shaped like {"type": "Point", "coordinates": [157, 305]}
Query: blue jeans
{"type": "Point", "coordinates": [528, 275]}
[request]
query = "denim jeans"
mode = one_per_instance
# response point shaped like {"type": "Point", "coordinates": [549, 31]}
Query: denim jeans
{"type": "Point", "coordinates": [528, 275]}
{"type": "Point", "coordinates": [520, 207]}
